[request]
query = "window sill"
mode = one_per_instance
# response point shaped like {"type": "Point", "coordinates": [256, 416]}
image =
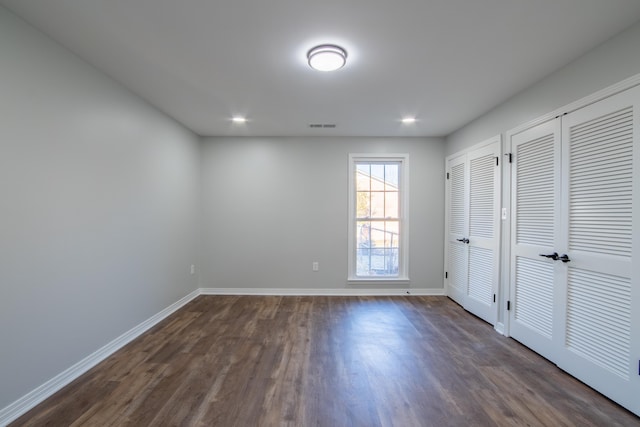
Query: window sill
{"type": "Point", "coordinates": [369, 280]}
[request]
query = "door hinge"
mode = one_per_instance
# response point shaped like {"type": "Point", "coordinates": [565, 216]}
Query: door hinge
{"type": "Point", "coordinates": [494, 297]}
{"type": "Point", "coordinates": [446, 274]}
{"type": "Point", "coordinates": [508, 305]}
{"type": "Point", "coordinates": [497, 161]}
{"type": "Point", "coordinates": [447, 175]}
{"type": "Point", "coordinates": [510, 157]}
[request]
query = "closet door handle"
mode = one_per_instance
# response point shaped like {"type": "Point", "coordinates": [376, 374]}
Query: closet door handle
{"type": "Point", "coordinates": [554, 256]}
{"type": "Point", "coordinates": [564, 258]}
{"type": "Point", "coordinates": [463, 240]}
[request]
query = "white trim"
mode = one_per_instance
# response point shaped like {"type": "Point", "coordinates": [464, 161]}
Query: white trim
{"type": "Point", "coordinates": [464, 151]}
{"type": "Point", "coordinates": [580, 103]}
{"type": "Point", "coordinates": [372, 280]}
{"type": "Point", "coordinates": [46, 390]}
{"type": "Point", "coordinates": [321, 292]}
{"type": "Point", "coordinates": [499, 328]}
{"type": "Point", "coordinates": [403, 185]}
{"type": "Point", "coordinates": [504, 287]}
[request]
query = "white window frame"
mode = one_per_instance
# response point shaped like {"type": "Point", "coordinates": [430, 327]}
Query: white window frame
{"type": "Point", "coordinates": [403, 217]}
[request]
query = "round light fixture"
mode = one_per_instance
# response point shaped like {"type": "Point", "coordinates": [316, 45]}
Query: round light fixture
{"type": "Point", "coordinates": [327, 57]}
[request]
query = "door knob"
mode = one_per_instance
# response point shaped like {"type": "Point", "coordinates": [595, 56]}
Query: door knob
{"type": "Point", "coordinates": [554, 256]}
{"type": "Point", "coordinates": [463, 240]}
{"type": "Point", "coordinates": [564, 258]}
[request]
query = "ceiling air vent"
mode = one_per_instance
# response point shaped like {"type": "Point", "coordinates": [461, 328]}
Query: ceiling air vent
{"type": "Point", "coordinates": [322, 125]}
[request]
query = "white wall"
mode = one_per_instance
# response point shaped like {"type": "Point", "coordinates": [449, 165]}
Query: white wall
{"type": "Point", "coordinates": [611, 62]}
{"type": "Point", "coordinates": [272, 206]}
{"type": "Point", "coordinates": [98, 204]}
{"type": "Point", "coordinates": [99, 197]}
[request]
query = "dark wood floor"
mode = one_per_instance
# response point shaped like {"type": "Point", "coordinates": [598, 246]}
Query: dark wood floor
{"type": "Point", "coordinates": [326, 361]}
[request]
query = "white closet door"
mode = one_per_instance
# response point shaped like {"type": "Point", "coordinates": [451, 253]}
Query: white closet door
{"type": "Point", "coordinates": [457, 228]}
{"type": "Point", "coordinates": [535, 201]}
{"type": "Point", "coordinates": [601, 344]}
{"type": "Point", "coordinates": [483, 235]}
{"type": "Point", "coordinates": [473, 229]}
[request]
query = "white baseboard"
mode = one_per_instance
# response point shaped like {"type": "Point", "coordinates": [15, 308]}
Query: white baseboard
{"type": "Point", "coordinates": [499, 327]}
{"type": "Point", "coordinates": [320, 292]}
{"type": "Point", "coordinates": [46, 390]}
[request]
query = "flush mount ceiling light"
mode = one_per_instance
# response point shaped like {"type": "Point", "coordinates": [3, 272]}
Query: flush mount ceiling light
{"type": "Point", "coordinates": [408, 120]}
{"type": "Point", "coordinates": [327, 57]}
{"type": "Point", "coordinates": [239, 119]}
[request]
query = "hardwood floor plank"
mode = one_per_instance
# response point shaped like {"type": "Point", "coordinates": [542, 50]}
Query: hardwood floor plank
{"type": "Point", "coordinates": [325, 361]}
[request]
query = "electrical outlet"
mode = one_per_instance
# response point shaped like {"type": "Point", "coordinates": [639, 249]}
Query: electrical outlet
{"type": "Point", "coordinates": [193, 269]}
{"type": "Point", "coordinates": [315, 266]}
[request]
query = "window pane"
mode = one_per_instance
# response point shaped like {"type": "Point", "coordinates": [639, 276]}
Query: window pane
{"type": "Point", "coordinates": [377, 204]}
{"type": "Point", "coordinates": [362, 177]}
{"type": "Point", "coordinates": [391, 204]}
{"type": "Point", "coordinates": [377, 265]}
{"type": "Point", "coordinates": [377, 262]}
{"type": "Point", "coordinates": [365, 168]}
{"type": "Point", "coordinates": [363, 236]}
{"type": "Point", "coordinates": [392, 234]}
{"type": "Point", "coordinates": [363, 204]}
{"type": "Point", "coordinates": [391, 176]}
{"type": "Point", "coordinates": [391, 262]}
{"type": "Point", "coordinates": [377, 235]}
{"type": "Point", "coordinates": [377, 177]}
{"type": "Point", "coordinates": [362, 262]}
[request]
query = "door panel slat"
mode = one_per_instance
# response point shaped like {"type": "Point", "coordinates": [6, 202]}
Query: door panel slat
{"type": "Point", "coordinates": [481, 264]}
{"type": "Point", "coordinates": [595, 159]}
{"type": "Point", "coordinates": [457, 202]}
{"type": "Point", "coordinates": [534, 295]}
{"type": "Point", "coordinates": [481, 195]}
{"type": "Point", "coordinates": [535, 186]}
{"type": "Point", "coordinates": [599, 319]}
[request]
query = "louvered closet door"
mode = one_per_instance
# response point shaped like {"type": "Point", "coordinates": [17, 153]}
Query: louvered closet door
{"type": "Point", "coordinates": [457, 228]}
{"type": "Point", "coordinates": [483, 235]}
{"type": "Point", "coordinates": [600, 316]}
{"type": "Point", "coordinates": [535, 202]}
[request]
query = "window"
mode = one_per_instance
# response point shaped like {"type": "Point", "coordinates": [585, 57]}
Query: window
{"type": "Point", "coordinates": [378, 190]}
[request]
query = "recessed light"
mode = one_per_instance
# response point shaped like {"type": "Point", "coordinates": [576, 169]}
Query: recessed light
{"type": "Point", "coordinates": [327, 57]}
{"type": "Point", "coordinates": [408, 120]}
{"type": "Point", "coordinates": [239, 119]}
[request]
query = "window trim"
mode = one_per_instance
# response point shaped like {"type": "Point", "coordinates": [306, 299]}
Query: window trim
{"type": "Point", "coordinates": [403, 217]}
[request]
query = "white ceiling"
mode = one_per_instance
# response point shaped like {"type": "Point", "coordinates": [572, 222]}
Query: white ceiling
{"type": "Point", "coordinates": [444, 61]}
